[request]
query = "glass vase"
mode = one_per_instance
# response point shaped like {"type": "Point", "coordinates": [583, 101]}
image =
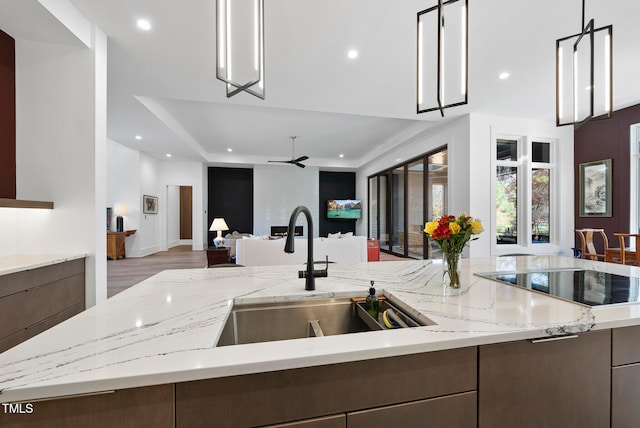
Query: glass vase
{"type": "Point", "coordinates": [451, 266]}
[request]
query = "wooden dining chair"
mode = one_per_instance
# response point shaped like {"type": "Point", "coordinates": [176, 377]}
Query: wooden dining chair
{"type": "Point", "coordinates": [588, 247]}
{"type": "Point", "coordinates": [626, 254]}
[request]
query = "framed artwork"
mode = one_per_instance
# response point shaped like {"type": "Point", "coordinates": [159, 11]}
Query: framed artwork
{"type": "Point", "coordinates": [595, 189]}
{"type": "Point", "coordinates": [149, 204]}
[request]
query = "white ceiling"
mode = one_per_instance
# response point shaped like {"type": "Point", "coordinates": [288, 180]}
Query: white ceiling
{"type": "Point", "coordinates": [162, 84]}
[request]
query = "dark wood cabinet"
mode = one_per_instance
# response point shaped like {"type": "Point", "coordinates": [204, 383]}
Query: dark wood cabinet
{"type": "Point", "coordinates": [37, 299]}
{"type": "Point", "coordinates": [136, 407]}
{"type": "Point", "coordinates": [334, 421]}
{"type": "Point", "coordinates": [217, 256]}
{"type": "Point", "coordinates": [452, 411]}
{"type": "Point", "coordinates": [311, 392]}
{"type": "Point", "coordinates": [546, 383]}
{"type": "Point", "coordinates": [625, 377]}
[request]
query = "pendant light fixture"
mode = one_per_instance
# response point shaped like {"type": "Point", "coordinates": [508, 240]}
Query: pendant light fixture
{"type": "Point", "coordinates": [584, 70]}
{"type": "Point", "coordinates": [240, 46]}
{"type": "Point", "coordinates": [442, 60]}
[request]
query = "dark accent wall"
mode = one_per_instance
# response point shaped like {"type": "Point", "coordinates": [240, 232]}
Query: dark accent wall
{"type": "Point", "coordinates": [607, 139]}
{"type": "Point", "coordinates": [7, 116]}
{"type": "Point", "coordinates": [231, 197]}
{"type": "Point", "coordinates": [335, 185]}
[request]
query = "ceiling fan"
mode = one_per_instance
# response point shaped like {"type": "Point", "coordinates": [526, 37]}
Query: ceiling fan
{"type": "Point", "coordinates": [294, 161]}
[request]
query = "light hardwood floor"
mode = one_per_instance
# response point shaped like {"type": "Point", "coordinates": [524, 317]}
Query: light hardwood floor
{"type": "Point", "coordinates": [123, 273]}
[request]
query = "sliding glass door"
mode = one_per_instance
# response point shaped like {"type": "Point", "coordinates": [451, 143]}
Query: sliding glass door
{"type": "Point", "coordinates": [402, 199]}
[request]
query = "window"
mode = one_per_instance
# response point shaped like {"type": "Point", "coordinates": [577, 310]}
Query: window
{"type": "Point", "coordinates": [524, 190]}
{"type": "Point", "coordinates": [634, 197]}
{"type": "Point", "coordinates": [402, 198]}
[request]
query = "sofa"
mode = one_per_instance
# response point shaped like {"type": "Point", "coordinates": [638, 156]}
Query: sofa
{"type": "Point", "coordinates": [269, 252]}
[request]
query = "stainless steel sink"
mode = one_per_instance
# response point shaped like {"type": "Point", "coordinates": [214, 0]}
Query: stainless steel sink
{"type": "Point", "coordinates": [265, 322]}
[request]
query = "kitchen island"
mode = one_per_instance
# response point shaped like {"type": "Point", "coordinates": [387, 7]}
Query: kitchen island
{"type": "Point", "coordinates": [163, 331]}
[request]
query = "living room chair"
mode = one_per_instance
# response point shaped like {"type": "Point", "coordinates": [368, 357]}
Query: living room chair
{"type": "Point", "coordinates": [588, 246]}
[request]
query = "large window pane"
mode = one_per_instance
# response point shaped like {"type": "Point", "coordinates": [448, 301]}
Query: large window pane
{"type": "Point", "coordinates": [507, 150]}
{"type": "Point", "coordinates": [415, 209]}
{"type": "Point", "coordinates": [540, 205]}
{"type": "Point", "coordinates": [384, 233]}
{"type": "Point", "coordinates": [437, 179]}
{"type": "Point", "coordinates": [373, 207]}
{"type": "Point", "coordinates": [397, 209]}
{"type": "Point", "coordinates": [540, 152]}
{"type": "Point", "coordinates": [506, 205]}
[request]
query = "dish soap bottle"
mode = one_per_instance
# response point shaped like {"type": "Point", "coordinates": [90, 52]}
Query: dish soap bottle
{"type": "Point", "coordinates": [371, 304]}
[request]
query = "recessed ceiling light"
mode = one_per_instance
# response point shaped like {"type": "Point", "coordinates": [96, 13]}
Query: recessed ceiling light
{"type": "Point", "coordinates": [503, 75]}
{"type": "Point", "coordinates": [341, 155]}
{"type": "Point", "coordinates": [138, 137]}
{"type": "Point", "coordinates": [168, 155]}
{"type": "Point", "coordinates": [229, 149]}
{"type": "Point", "coordinates": [144, 24]}
{"type": "Point", "coordinates": [352, 54]}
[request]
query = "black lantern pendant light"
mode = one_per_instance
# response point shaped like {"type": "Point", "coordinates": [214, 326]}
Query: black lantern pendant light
{"type": "Point", "coordinates": [442, 60]}
{"type": "Point", "coordinates": [240, 46]}
{"type": "Point", "coordinates": [584, 70]}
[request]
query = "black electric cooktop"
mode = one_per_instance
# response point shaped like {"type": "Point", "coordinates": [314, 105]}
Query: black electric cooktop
{"type": "Point", "coordinates": [588, 287]}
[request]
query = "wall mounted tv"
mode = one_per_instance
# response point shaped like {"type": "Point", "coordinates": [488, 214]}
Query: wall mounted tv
{"type": "Point", "coordinates": [344, 209]}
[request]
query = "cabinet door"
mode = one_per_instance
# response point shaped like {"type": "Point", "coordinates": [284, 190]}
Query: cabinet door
{"type": "Point", "coordinates": [452, 411]}
{"type": "Point", "coordinates": [557, 383]}
{"type": "Point", "coordinates": [625, 345]}
{"type": "Point", "coordinates": [151, 406]}
{"type": "Point", "coordinates": [625, 390]}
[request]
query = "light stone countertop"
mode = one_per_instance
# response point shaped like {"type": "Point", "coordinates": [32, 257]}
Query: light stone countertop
{"type": "Point", "coordinates": [164, 329]}
{"type": "Point", "coordinates": [22, 262]}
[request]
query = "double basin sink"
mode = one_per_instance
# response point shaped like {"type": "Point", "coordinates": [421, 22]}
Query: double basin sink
{"type": "Point", "coordinates": [265, 322]}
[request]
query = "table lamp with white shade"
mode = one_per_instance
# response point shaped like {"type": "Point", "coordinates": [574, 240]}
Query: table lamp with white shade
{"type": "Point", "coordinates": [218, 225]}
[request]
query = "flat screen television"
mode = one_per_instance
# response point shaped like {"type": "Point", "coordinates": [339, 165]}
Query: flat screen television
{"type": "Point", "coordinates": [344, 209]}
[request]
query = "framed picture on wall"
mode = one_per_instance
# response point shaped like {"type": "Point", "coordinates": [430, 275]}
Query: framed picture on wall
{"type": "Point", "coordinates": [595, 189]}
{"type": "Point", "coordinates": [150, 204]}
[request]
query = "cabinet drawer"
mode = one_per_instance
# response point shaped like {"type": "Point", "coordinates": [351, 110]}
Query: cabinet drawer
{"type": "Point", "coordinates": [625, 345]}
{"type": "Point", "coordinates": [335, 421]}
{"type": "Point", "coordinates": [21, 310]}
{"type": "Point", "coordinates": [27, 333]}
{"type": "Point", "coordinates": [453, 411]}
{"type": "Point", "coordinates": [25, 280]}
{"type": "Point", "coordinates": [625, 390]}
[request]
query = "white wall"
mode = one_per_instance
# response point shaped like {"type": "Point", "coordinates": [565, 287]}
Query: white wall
{"type": "Point", "coordinates": [60, 148]}
{"type": "Point", "coordinates": [278, 190]}
{"type": "Point", "coordinates": [134, 174]}
{"type": "Point", "coordinates": [123, 185]}
{"type": "Point", "coordinates": [193, 174]}
{"type": "Point", "coordinates": [173, 216]}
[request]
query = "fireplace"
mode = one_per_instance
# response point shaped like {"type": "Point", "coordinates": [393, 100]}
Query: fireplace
{"type": "Point", "coordinates": [282, 230]}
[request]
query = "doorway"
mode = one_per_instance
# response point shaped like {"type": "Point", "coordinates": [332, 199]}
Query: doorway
{"type": "Point", "coordinates": [179, 215]}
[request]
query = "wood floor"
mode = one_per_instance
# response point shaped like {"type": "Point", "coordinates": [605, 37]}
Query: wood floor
{"type": "Point", "coordinates": [123, 273]}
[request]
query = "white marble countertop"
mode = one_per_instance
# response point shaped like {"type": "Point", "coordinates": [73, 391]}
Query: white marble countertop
{"type": "Point", "coordinates": [22, 262]}
{"type": "Point", "coordinates": [164, 329]}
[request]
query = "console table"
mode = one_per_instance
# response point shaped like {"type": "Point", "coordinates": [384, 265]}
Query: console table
{"type": "Point", "coordinates": [115, 244]}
